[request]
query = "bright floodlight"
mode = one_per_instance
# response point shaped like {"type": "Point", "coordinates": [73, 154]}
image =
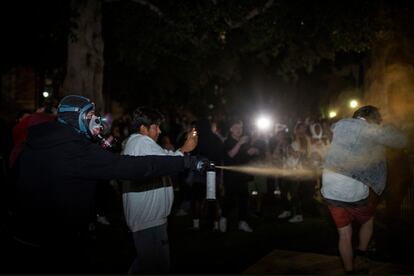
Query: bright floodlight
{"type": "Point", "coordinates": [46, 94]}
{"type": "Point", "coordinates": [263, 123]}
{"type": "Point", "coordinates": [332, 114]}
{"type": "Point", "coordinates": [353, 103]}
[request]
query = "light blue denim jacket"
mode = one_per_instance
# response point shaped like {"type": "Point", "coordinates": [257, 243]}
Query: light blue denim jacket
{"type": "Point", "coordinates": [358, 151]}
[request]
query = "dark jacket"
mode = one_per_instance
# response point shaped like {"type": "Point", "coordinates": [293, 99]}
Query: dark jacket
{"type": "Point", "coordinates": [236, 181]}
{"type": "Point", "coordinates": [209, 146]}
{"type": "Point", "coordinates": [20, 131]}
{"type": "Point", "coordinates": [58, 171]}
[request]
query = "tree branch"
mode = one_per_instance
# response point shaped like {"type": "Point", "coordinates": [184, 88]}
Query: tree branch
{"type": "Point", "coordinates": [252, 14]}
{"type": "Point", "coordinates": [151, 6]}
{"type": "Point", "coordinates": [145, 3]}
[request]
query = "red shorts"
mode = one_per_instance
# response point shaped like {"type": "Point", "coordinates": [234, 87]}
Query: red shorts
{"type": "Point", "coordinates": [346, 215]}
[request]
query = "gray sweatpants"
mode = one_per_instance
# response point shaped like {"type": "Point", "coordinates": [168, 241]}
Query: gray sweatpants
{"type": "Point", "coordinates": [153, 251]}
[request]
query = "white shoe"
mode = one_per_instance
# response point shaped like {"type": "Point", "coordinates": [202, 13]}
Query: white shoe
{"type": "Point", "coordinates": [216, 226]}
{"type": "Point", "coordinates": [297, 218]}
{"type": "Point", "coordinates": [223, 225]}
{"type": "Point", "coordinates": [243, 226]}
{"type": "Point", "coordinates": [196, 224]}
{"type": "Point", "coordinates": [284, 214]}
{"type": "Point", "coordinates": [102, 220]}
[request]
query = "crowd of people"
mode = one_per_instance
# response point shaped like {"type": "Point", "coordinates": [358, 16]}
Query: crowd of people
{"type": "Point", "coordinates": [62, 155]}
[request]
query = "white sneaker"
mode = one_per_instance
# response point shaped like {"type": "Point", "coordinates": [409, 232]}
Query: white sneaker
{"type": "Point", "coordinates": [243, 226]}
{"type": "Point", "coordinates": [102, 220]}
{"type": "Point", "coordinates": [196, 224]}
{"type": "Point", "coordinates": [216, 226]}
{"type": "Point", "coordinates": [223, 225]}
{"type": "Point", "coordinates": [284, 214]}
{"type": "Point", "coordinates": [297, 218]}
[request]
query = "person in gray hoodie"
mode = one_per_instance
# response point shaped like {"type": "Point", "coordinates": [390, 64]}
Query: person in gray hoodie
{"type": "Point", "coordinates": [354, 165]}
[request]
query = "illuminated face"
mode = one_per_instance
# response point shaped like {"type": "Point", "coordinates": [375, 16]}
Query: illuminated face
{"type": "Point", "coordinates": [153, 131]}
{"type": "Point", "coordinates": [236, 130]}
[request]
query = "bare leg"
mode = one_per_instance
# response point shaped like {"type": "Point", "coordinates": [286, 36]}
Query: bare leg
{"type": "Point", "coordinates": [345, 246]}
{"type": "Point", "coordinates": [365, 234]}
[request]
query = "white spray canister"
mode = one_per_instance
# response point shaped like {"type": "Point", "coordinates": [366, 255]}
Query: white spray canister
{"type": "Point", "coordinates": [211, 182]}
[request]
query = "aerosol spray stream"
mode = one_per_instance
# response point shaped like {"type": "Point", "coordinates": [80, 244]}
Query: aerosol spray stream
{"type": "Point", "coordinates": [295, 174]}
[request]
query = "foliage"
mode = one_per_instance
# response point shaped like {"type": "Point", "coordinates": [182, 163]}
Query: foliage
{"type": "Point", "coordinates": [200, 42]}
{"type": "Point", "coordinates": [187, 48]}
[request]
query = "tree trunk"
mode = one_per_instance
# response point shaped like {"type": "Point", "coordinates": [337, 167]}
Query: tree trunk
{"type": "Point", "coordinates": [85, 62]}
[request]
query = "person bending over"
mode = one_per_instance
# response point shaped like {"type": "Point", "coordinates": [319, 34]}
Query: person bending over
{"type": "Point", "coordinates": [354, 164]}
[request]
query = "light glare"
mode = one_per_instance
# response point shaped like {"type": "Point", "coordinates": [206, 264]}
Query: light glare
{"type": "Point", "coordinates": [263, 123]}
{"type": "Point", "coordinates": [332, 114]}
{"type": "Point", "coordinates": [353, 103]}
{"type": "Point", "coordinates": [46, 94]}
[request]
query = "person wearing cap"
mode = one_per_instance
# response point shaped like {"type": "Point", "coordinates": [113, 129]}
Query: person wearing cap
{"type": "Point", "coordinates": [58, 170]}
{"type": "Point", "coordinates": [355, 164]}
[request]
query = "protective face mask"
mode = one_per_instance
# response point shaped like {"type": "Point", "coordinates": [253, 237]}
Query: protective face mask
{"type": "Point", "coordinates": [95, 125]}
{"type": "Point", "coordinates": [97, 129]}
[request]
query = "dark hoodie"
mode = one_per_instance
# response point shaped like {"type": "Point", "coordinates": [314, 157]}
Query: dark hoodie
{"type": "Point", "coordinates": [58, 170]}
{"type": "Point", "coordinates": [209, 145]}
{"type": "Point", "coordinates": [20, 131]}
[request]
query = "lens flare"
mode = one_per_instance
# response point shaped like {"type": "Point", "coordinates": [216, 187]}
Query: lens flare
{"type": "Point", "coordinates": [263, 123]}
{"type": "Point", "coordinates": [353, 104]}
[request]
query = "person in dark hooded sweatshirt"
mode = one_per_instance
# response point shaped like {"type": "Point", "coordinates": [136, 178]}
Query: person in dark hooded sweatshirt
{"type": "Point", "coordinates": [58, 170]}
{"type": "Point", "coordinates": [210, 146]}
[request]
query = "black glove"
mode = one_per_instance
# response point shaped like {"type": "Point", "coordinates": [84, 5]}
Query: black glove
{"type": "Point", "coordinates": [196, 163]}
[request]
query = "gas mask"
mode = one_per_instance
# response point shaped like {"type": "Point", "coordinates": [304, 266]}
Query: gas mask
{"type": "Point", "coordinates": [97, 128]}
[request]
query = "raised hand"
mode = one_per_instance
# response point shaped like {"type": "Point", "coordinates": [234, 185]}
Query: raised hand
{"type": "Point", "coordinates": [190, 142]}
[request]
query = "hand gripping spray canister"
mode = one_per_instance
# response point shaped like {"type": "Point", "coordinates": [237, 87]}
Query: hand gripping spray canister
{"type": "Point", "coordinates": [211, 182]}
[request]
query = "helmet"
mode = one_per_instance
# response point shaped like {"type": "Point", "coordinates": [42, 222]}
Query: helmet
{"type": "Point", "coordinates": [73, 110]}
